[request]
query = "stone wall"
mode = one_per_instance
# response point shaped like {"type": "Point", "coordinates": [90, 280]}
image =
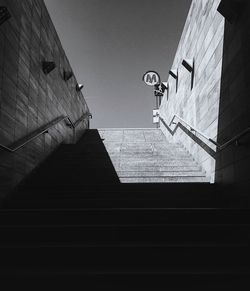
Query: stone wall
{"type": "Point", "coordinates": [202, 42]}
{"type": "Point", "coordinates": [232, 164]}
{"type": "Point", "coordinates": [29, 98]}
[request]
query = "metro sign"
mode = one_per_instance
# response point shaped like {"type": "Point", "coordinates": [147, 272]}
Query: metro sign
{"type": "Point", "coordinates": [151, 78]}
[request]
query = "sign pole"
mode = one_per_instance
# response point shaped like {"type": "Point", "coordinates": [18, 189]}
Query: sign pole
{"type": "Point", "coordinates": [152, 78]}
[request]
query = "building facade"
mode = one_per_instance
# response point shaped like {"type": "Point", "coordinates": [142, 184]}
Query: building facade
{"type": "Point", "coordinates": [37, 86]}
{"type": "Point", "coordinates": [208, 89]}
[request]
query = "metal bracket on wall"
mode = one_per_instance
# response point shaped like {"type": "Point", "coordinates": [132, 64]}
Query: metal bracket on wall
{"type": "Point", "coordinates": [189, 65]}
{"type": "Point", "coordinates": [4, 14]}
{"type": "Point", "coordinates": [79, 87]}
{"type": "Point", "coordinates": [175, 75]}
{"type": "Point", "coordinates": [48, 67]}
{"type": "Point", "coordinates": [67, 75]}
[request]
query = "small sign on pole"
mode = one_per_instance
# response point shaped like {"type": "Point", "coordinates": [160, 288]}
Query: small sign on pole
{"type": "Point", "coordinates": [156, 116]}
{"type": "Point", "coordinates": [152, 78]}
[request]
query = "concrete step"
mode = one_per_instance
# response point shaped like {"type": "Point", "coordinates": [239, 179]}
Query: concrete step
{"type": "Point", "coordinates": [125, 167]}
{"type": "Point", "coordinates": [155, 144]}
{"type": "Point", "coordinates": [164, 179]}
{"type": "Point", "coordinates": [186, 259]}
{"type": "Point", "coordinates": [184, 191]}
{"type": "Point", "coordinates": [120, 217]}
{"type": "Point", "coordinates": [178, 236]}
{"type": "Point", "coordinates": [124, 280]}
{"type": "Point", "coordinates": [132, 135]}
{"type": "Point", "coordinates": [146, 146]}
{"type": "Point", "coordinates": [153, 163]}
{"type": "Point", "coordinates": [154, 155]}
{"type": "Point", "coordinates": [145, 174]}
{"type": "Point", "coordinates": [74, 201]}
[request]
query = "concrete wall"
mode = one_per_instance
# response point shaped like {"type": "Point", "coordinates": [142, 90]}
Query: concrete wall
{"type": "Point", "coordinates": [28, 98]}
{"type": "Point", "coordinates": [234, 115]}
{"type": "Point", "coordinates": [202, 41]}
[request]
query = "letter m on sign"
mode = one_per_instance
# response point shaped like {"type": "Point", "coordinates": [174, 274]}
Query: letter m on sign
{"type": "Point", "coordinates": [151, 78]}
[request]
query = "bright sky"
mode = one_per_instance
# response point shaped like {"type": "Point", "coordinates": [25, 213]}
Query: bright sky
{"type": "Point", "coordinates": [111, 44]}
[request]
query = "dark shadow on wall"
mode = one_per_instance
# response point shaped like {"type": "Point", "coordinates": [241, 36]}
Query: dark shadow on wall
{"type": "Point", "coordinates": [232, 165]}
{"type": "Point", "coordinates": [98, 165]}
{"type": "Point", "coordinates": [192, 135]}
{"type": "Point", "coordinates": [79, 167]}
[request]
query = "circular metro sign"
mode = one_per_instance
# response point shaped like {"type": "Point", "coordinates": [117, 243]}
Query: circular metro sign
{"type": "Point", "coordinates": [151, 78]}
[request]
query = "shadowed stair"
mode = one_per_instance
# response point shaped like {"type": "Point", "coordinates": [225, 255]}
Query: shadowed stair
{"type": "Point", "coordinates": [73, 224]}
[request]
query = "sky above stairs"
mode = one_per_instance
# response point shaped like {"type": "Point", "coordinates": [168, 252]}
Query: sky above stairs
{"type": "Point", "coordinates": [111, 44]}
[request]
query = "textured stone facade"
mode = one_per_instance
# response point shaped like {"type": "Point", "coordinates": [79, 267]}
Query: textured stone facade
{"type": "Point", "coordinates": [232, 164]}
{"type": "Point", "coordinates": [202, 42]}
{"type": "Point", "coordinates": [29, 98]}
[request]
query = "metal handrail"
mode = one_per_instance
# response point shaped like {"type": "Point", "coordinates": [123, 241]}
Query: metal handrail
{"type": "Point", "coordinates": [219, 146]}
{"type": "Point", "coordinates": [45, 130]}
{"type": "Point", "coordinates": [235, 138]}
{"type": "Point", "coordinates": [192, 128]}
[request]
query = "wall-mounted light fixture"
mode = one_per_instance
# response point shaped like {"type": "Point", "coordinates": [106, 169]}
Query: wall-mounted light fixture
{"type": "Point", "coordinates": [189, 65]}
{"type": "Point", "coordinates": [174, 74]}
{"type": "Point", "coordinates": [4, 14]}
{"type": "Point", "coordinates": [67, 75]}
{"type": "Point", "coordinates": [48, 67]}
{"type": "Point", "coordinates": [230, 9]}
{"type": "Point", "coordinates": [79, 87]}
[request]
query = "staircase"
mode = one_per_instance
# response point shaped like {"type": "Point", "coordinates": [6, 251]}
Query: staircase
{"type": "Point", "coordinates": [73, 224]}
{"type": "Point", "coordinates": [145, 156]}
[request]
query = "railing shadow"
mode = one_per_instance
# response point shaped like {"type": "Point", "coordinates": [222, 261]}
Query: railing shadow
{"type": "Point", "coordinates": [194, 137]}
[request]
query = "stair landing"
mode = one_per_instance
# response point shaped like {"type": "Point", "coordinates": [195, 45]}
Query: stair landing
{"type": "Point", "coordinates": [146, 156]}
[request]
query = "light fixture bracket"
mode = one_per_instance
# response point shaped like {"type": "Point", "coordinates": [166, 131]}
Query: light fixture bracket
{"type": "Point", "coordinates": [48, 67]}
{"type": "Point", "coordinates": [4, 14]}
{"type": "Point", "coordinates": [67, 75]}
{"type": "Point", "coordinates": [175, 75]}
{"type": "Point", "coordinates": [79, 87]}
{"type": "Point", "coordinates": [189, 65]}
